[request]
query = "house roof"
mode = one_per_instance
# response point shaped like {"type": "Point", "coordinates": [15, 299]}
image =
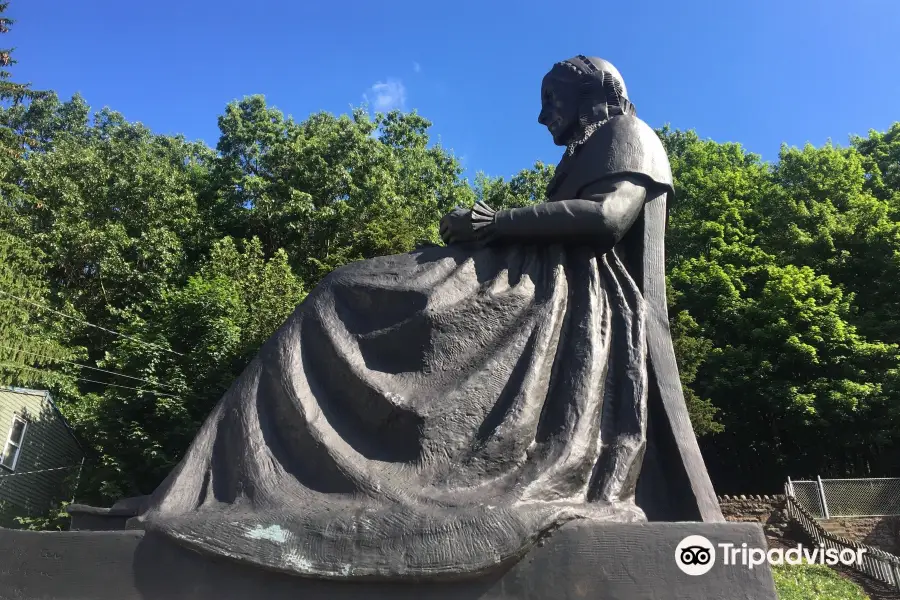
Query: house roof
{"type": "Point", "coordinates": [46, 395]}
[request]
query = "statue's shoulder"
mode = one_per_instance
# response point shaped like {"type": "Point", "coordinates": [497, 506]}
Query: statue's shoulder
{"type": "Point", "coordinates": [625, 145]}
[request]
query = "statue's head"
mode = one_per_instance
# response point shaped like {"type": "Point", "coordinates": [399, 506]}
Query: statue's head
{"type": "Point", "coordinates": [579, 92]}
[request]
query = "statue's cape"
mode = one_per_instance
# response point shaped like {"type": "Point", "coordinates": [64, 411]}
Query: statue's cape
{"type": "Point", "coordinates": [674, 484]}
{"type": "Point", "coordinates": [623, 145]}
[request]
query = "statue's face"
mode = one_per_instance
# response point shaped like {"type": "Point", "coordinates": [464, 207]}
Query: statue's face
{"type": "Point", "coordinates": [559, 109]}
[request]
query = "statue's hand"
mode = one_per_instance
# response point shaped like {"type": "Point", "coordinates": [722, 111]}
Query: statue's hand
{"type": "Point", "coordinates": [461, 225]}
{"type": "Point", "coordinates": [456, 226]}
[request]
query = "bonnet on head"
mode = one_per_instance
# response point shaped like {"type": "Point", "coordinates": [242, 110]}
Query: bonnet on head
{"type": "Point", "coordinates": [603, 93]}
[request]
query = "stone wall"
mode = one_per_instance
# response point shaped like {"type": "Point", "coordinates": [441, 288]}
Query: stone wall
{"type": "Point", "coordinates": [768, 510]}
{"type": "Point", "coordinates": [878, 532]}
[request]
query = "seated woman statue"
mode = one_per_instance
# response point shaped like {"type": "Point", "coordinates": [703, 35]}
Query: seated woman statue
{"type": "Point", "coordinates": [438, 412]}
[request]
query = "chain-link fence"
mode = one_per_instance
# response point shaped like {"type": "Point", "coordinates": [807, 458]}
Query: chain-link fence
{"type": "Point", "coordinates": [826, 498]}
{"type": "Point", "coordinates": [809, 496]}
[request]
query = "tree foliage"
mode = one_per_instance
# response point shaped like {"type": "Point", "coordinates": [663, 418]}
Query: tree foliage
{"type": "Point", "coordinates": [780, 270]}
{"type": "Point", "coordinates": [28, 338]}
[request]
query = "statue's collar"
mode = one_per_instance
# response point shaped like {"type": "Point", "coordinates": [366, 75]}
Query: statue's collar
{"type": "Point", "coordinates": [570, 156]}
{"type": "Point", "coordinates": [583, 136]}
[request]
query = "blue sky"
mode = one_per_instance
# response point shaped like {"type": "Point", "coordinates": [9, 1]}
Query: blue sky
{"type": "Point", "coordinates": [759, 73]}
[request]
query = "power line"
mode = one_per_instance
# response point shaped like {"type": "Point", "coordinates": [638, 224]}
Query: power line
{"type": "Point", "coordinates": [83, 322]}
{"type": "Point", "coordinates": [69, 362]}
{"type": "Point", "coordinates": [38, 471]}
{"type": "Point", "coordinates": [124, 387]}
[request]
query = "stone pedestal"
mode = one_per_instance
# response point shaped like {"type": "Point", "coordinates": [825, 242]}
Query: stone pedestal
{"type": "Point", "coordinates": [581, 560]}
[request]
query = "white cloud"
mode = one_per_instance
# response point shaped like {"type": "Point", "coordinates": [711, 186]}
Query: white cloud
{"type": "Point", "coordinates": [417, 67]}
{"type": "Point", "coordinates": [387, 95]}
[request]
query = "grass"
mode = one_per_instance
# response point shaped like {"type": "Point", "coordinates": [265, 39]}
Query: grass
{"type": "Point", "coordinates": [814, 582]}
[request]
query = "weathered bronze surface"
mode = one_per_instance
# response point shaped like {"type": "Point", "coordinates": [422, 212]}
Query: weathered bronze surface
{"type": "Point", "coordinates": [436, 413]}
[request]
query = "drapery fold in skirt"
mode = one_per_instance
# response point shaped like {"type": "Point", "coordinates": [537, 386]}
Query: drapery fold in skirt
{"type": "Point", "coordinates": [425, 414]}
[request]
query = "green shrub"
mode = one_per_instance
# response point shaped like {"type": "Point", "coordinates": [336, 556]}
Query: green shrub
{"type": "Point", "coordinates": [55, 519]}
{"type": "Point", "coordinates": [814, 582]}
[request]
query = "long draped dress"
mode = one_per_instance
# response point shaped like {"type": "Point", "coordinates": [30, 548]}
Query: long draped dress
{"type": "Point", "coordinates": [428, 413]}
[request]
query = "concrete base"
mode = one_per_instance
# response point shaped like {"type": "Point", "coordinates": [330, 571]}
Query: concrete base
{"type": "Point", "coordinates": [581, 560]}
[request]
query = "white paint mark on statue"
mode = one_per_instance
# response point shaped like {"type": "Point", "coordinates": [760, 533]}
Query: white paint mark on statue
{"type": "Point", "coordinates": [273, 533]}
{"type": "Point", "coordinates": [303, 564]}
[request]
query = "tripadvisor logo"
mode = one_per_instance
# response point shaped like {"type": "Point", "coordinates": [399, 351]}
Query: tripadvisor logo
{"type": "Point", "coordinates": [696, 555]}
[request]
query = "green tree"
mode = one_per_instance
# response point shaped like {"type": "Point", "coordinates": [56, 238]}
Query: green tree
{"type": "Point", "coordinates": [751, 257]}
{"type": "Point", "coordinates": [9, 90]}
{"type": "Point", "coordinates": [331, 190]}
{"type": "Point", "coordinates": [111, 213]}
{"type": "Point", "coordinates": [526, 187]}
{"type": "Point", "coordinates": [216, 321]}
{"type": "Point", "coordinates": [881, 156]}
{"type": "Point", "coordinates": [28, 342]}
{"type": "Point", "coordinates": [27, 338]}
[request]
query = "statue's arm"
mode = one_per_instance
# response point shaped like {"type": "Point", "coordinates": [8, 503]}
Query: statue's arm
{"type": "Point", "coordinates": [601, 217]}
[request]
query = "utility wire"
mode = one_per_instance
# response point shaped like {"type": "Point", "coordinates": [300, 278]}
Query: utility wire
{"type": "Point", "coordinates": [124, 387]}
{"type": "Point", "coordinates": [83, 322]}
{"type": "Point", "coordinates": [69, 362]}
{"type": "Point", "coordinates": [38, 471]}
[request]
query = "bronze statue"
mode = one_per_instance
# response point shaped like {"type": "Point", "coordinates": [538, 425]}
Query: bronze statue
{"type": "Point", "coordinates": [436, 413]}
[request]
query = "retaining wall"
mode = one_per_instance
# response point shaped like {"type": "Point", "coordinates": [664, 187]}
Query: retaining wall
{"type": "Point", "coordinates": [878, 532]}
